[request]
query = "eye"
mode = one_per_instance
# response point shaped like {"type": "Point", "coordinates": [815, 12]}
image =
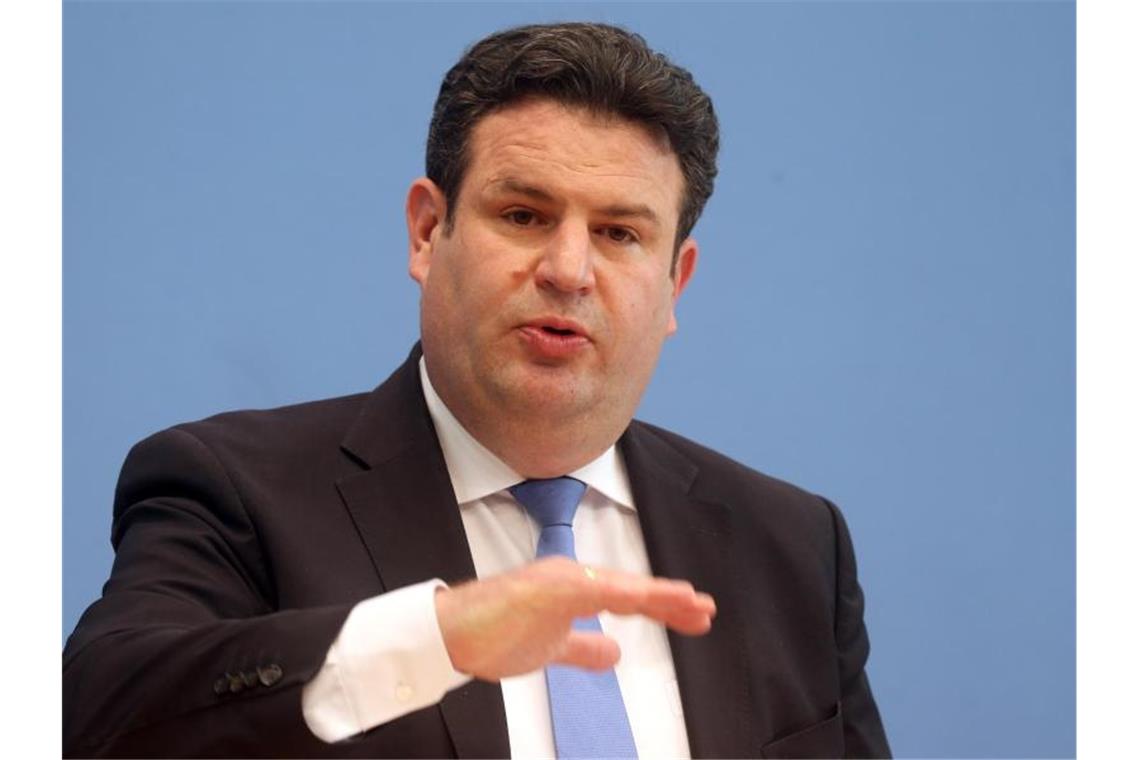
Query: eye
{"type": "Point", "coordinates": [521, 216]}
{"type": "Point", "coordinates": [620, 234]}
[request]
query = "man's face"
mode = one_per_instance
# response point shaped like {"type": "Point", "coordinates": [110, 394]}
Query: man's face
{"type": "Point", "coordinates": [551, 295]}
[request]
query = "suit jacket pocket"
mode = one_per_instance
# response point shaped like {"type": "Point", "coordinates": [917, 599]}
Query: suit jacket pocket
{"type": "Point", "coordinates": [823, 739]}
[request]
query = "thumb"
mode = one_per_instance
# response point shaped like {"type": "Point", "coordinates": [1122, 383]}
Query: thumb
{"type": "Point", "coordinates": [589, 650]}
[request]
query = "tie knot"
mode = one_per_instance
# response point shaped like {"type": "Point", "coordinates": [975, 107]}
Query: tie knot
{"type": "Point", "coordinates": [551, 501]}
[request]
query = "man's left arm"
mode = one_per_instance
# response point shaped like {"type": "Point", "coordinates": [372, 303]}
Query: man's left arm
{"type": "Point", "coordinates": [863, 732]}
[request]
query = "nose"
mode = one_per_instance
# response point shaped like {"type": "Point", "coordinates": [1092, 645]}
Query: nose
{"type": "Point", "coordinates": [567, 262]}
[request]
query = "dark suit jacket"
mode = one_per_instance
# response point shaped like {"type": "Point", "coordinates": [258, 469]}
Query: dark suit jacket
{"type": "Point", "coordinates": [242, 542]}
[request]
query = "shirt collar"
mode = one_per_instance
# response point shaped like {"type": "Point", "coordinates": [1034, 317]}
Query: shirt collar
{"type": "Point", "coordinates": [476, 472]}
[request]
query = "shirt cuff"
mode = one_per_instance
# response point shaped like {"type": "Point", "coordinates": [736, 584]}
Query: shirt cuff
{"type": "Point", "coordinates": [388, 660]}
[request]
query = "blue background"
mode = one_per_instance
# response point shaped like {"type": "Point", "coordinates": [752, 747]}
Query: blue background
{"type": "Point", "coordinates": [886, 288]}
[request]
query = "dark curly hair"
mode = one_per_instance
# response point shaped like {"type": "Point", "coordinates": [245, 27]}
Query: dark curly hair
{"type": "Point", "coordinates": [600, 67]}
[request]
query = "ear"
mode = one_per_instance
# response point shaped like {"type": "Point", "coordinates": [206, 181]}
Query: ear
{"type": "Point", "coordinates": [425, 210]}
{"type": "Point", "coordinates": [682, 273]}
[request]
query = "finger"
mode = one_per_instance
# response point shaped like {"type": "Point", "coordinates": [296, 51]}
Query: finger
{"type": "Point", "coordinates": [592, 651]}
{"type": "Point", "coordinates": [692, 614]}
{"type": "Point", "coordinates": [689, 624]}
{"type": "Point", "coordinates": [692, 618]}
{"type": "Point", "coordinates": [584, 592]}
{"type": "Point", "coordinates": [659, 598]}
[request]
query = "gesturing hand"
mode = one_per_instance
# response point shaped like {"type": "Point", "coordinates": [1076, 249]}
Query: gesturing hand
{"type": "Point", "coordinates": [521, 621]}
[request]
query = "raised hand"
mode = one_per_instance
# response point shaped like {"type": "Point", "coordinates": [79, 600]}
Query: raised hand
{"type": "Point", "coordinates": [520, 621]}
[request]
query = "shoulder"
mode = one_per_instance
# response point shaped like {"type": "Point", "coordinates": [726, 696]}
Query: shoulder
{"type": "Point", "coordinates": [276, 445]}
{"type": "Point", "coordinates": [307, 425]}
{"type": "Point", "coordinates": [752, 496]}
{"type": "Point", "coordinates": [721, 474]}
{"type": "Point", "coordinates": [295, 428]}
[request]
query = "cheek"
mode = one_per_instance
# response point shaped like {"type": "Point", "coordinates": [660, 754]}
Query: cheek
{"type": "Point", "coordinates": [480, 288]}
{"type": "Point", "coordinates": [657, 301]}
{"type": "Point", "coordinates": [641, 319]}
{"type": "Point", "coordinates": [457, 271]}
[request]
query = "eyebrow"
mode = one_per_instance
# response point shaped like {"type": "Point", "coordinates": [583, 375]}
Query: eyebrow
{"type": "Point", "coordinates": [617, 210]}
{"type": "Point", "coordinates": [530, 191]}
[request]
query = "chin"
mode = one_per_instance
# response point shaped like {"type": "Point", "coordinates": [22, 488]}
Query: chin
{"type": "Point", "coordinates": [547, 391]}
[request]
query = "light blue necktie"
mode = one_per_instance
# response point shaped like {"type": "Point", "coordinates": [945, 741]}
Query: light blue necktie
{"type": "Point", "coordinates": [586, 708]}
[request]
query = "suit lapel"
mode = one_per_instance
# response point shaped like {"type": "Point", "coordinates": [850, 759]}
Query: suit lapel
{"type": "Point", "coordinates": [689, 538]}
{"type": "Point", "coordinates": [405, 511]}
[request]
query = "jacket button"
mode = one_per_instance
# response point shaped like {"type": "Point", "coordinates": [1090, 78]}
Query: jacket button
{"type": "Point", "coordinates": [221, 686]}
{"type": "Point", "coordinates": [235, 684]}
{"type": "Point", "coordinates": [270, 674]}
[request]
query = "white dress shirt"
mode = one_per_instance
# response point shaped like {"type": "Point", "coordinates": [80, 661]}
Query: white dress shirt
{"type": "Point", "coordinates": [389, 658]}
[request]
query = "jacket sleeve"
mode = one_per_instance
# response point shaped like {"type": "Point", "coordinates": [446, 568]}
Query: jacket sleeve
{"type": "Point", "coordinates": [186, 653]}
{"type": "Point", "coordinates": [863, 732]}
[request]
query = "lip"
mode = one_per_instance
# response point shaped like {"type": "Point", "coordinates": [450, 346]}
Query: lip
{"type": "Point", "coordinates": [537, 335]}
{"type": "Point", "coordinates": [557, 323]}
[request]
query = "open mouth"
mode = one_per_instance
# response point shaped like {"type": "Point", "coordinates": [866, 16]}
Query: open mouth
{"type": "Point", "coordinates": [554, 338]}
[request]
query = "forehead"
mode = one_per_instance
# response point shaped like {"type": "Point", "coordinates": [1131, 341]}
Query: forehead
{"type": "Point", "coordinates": [574, 152]}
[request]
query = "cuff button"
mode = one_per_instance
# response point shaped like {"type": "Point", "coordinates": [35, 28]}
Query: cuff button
{"type": "Point", "coordinates": [269, 675]}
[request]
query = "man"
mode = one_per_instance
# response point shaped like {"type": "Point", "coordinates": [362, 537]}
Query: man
{"type": "Point", "coordinates": [298, 581]}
